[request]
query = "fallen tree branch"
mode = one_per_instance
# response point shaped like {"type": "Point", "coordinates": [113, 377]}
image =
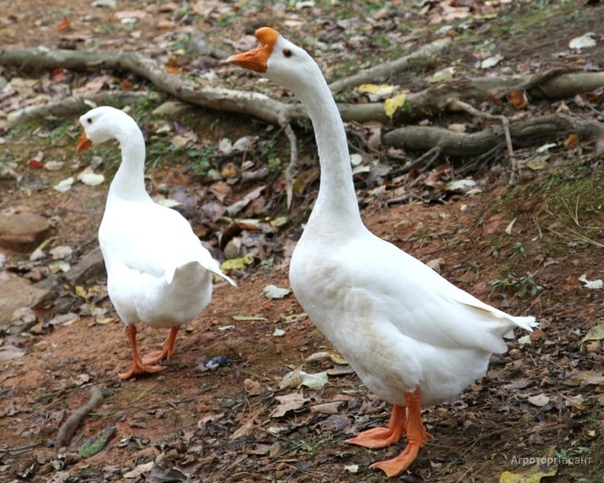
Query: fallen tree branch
{"type": "Point", "coordinates": [70, 426]}
{"type": "Point", "coordinates": [381, 72]}
{"type": "Point", "coordinates": [433, 101]}
{"type": "Point", "coordinates": [428, 103]}
{"type": "Point", "coordinates": [526, 132]}
{"type": "Point", "coordinates": [457, 105]}
{"type": "Point", "coordinates": [73, 106]}
{"type": "Point", "coordinates": [179, 86]}
{"type": "Point", "coordinates": [437, 99]}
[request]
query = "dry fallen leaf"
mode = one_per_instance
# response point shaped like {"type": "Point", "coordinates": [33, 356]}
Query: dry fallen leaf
{"type": "Point", "coordinates": [8, 352]}
{"type": "Point", "coordinates": [542, 467]}
{"type": "Point", "coordinates": [289, 402]}
{"type": "Point", "coordinates": [274, 292]}
{"type": "Point", "coordinates": [594, 334]}
{"type": "Point", "coordinates": [591, 284]}
{"type": "Point", "coordinates": [539, 400]}
{"type": "Point", "coordinates": [64, 185]}
{"type": "Point", "coordinates": [64, 25]}
{"type": "Point", "coordinates": [90, 178]}
{"type": "Point", "coordinates": [583, 42]}
{"type": "Point", "coordinates": [244, 430]}
{"type": "Point", "coordinates": [326, 408]}
{"type": "Point", "coordinates": [490, 61]}
{"type": "Point", "coordinates": [253, 388]}
{"type": "Point", "coordinates": [305, 179]}
{"type": "Point", "coordinates": [518, 98]}
{"type": "Point", "coordinates": [572, 141]}
{"type": "Point", "coordinates": [299, 378]}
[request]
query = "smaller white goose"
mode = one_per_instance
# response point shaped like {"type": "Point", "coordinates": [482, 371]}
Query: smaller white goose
{"type": "Point", "coordinates": [158, 272]}
{"type": "Point", "coordinates": [412, 337]}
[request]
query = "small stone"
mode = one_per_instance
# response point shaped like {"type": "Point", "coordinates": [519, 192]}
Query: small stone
{"type": "Point", "coordinates": [15, 292]}
{"type": "Point", "coordinates": [23, 232]}
{"type": "Point", "coordinates": [436, 264]}
{"type": "Point", "coordinates": [62, 252]}
{"type": "Point", "coordinates": [22, 320]}
{"type": "Point", "coordinates": [515, 354]}
{"type": "Point", "coordinates": [252, 387]}
{"type": "Point", "coordinates": [89, 267]}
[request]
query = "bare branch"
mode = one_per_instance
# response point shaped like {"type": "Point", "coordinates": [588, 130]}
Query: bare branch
{"type": "Point", "coordinates": [72, 106]}
{"type": "Point", "coordinates": [381, 72]}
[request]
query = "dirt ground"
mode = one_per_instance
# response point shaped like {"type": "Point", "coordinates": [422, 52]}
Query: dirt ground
{"type": "Point", "coordinates": [522, 248]}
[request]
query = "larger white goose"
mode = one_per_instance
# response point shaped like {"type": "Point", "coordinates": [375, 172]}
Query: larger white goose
{"type": "Point", "coordinates": [158, 272]}
{"type": "Point", "coordinates": [412, 337]}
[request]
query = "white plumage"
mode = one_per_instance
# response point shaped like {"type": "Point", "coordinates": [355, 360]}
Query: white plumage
{"type": "Point", "coordinates": [158, 272]}
{"type": "Point", "coordinates": [412, 337]}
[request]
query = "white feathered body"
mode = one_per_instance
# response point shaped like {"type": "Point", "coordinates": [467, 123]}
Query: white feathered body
{"type": "Point", "coordinates": [157, 268]}
{"type": "Point", "coordinates": [397, 322]}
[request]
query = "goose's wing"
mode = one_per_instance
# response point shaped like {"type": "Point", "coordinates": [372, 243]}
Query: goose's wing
{"type": "Point", "coordinates": [423, 305]}
{"type": "Point", "coordinates": [151, 239]}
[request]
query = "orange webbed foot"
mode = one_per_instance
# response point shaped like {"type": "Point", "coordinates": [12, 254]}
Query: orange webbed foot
{"type": "Point", "coordinates": [376, 438]}
{"type": "Point", "coordinates": [396, 466]}
{"type": "Point", "coordinates": [139, 368]}
{"type": "Point", "coordinates": [155, 357]}
{"type": "Point", "coordinates": [416, 437]}
{"type": "Point", "coordinates": [166, 351]}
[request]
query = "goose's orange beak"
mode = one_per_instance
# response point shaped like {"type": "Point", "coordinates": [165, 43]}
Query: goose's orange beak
{"type": "Point", "coordinates": [83, 143]}
{"type": "Point", "coordinates": [257, 58]}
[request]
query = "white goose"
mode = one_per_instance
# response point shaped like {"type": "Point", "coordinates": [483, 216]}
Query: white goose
{"type": "Point", "coordinates": [158, 272]}
{"type": "Point", "coordinates": [412, 337]}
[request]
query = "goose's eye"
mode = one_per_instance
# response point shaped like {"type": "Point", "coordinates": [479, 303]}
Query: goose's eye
{"type": "Point", "coordinates": [89, 120]}
{"type": "Point", "coordinates": [287, 53]}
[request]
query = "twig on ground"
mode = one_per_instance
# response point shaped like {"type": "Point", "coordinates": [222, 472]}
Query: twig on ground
{"type": "Point", "coordinates": [70, 426]}
{"type": "Point", "coordinates": [431, 155]}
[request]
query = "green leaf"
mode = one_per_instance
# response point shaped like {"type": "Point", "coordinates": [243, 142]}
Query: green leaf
{"type": "Point", "coordinates": [94, 445]}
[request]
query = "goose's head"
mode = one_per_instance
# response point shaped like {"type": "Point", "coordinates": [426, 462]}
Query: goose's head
{"type": "Point", "coordinates": [279, 60]}
{"type": "Point", "coordinates": [101, 124]}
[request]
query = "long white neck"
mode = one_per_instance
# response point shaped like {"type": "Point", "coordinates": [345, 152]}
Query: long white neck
{"type": "Point", "coordinates": [129, 181]}
{"type": "Point", "coordinates": [337, 199]}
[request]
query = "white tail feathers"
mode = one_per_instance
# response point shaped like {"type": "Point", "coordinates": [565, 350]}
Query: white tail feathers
{"type": "Point", "coordinates": [171, 271]}
{"type": "Point", "coordinates": [221, 274]}
{"type": "Point", "coordinates": [527, 323]}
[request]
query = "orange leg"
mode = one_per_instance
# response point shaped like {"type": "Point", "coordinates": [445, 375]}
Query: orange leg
{"type": "Point", "coordinates": [381, 437]}
{"type": "Point", "coordinates": [138, 366]}
{"type": "Point", "coordinates": [167, 349]}
{"type": "Point", "coordinates": [416, 438]}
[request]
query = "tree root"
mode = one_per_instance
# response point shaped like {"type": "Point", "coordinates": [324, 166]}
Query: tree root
{"type": "Point", "coordinates": [523, 133]}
